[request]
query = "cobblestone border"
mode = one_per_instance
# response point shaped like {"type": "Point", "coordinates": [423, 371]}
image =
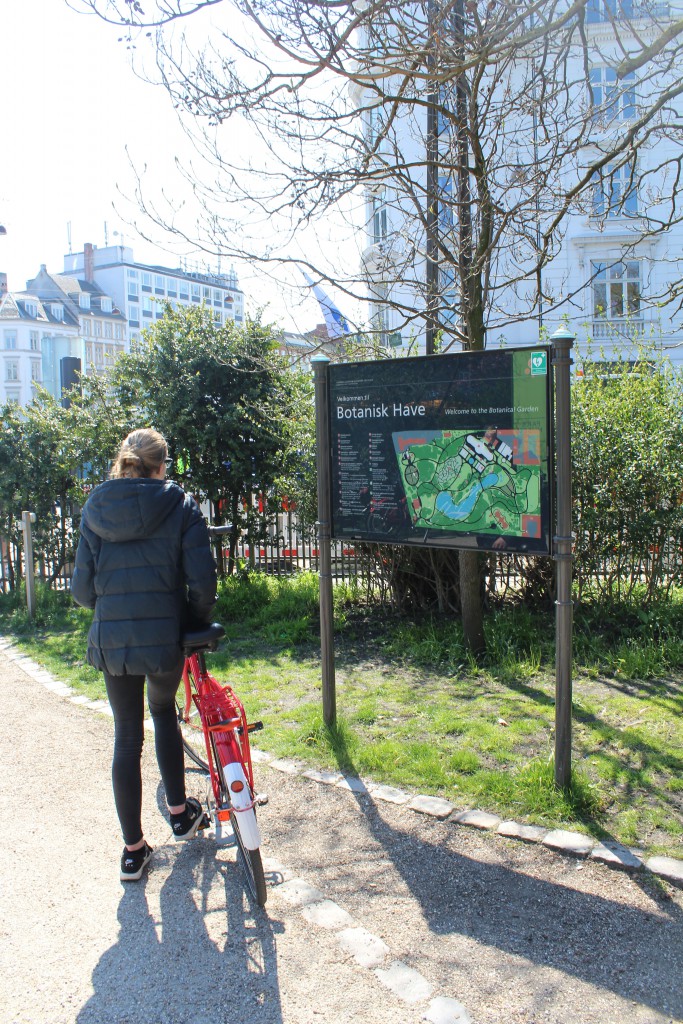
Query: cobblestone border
{"type": "Point", "coordinates": [575, 844]}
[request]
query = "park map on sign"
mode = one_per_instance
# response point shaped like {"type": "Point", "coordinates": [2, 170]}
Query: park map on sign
{"type": "Point", "coordinates": [486, 482]}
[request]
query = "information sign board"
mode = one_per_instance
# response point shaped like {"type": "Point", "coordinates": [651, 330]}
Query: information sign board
{"type": "Point", "coordinates": [444, 450]}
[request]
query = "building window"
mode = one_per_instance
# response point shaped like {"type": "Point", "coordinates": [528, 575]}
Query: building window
{"type": "Point", "coordinates": [13, 397]}
{"type": "Point", "coordinates": [57, 311]}
{"type": "Point", "coordinates": [34, 343]}
{"type": "Point", "coordinates": [84, 300]}
{"type": "Point", "coordinates": [196, 293]}
{"type": "Point", "coordinates": [85, 326]}
{"type": "Point", "coordinates": [206, 294]}
{"type": "Point", "coordinates": [445, 204]}
{"type": "Point", "coordinates": [98, 355]}
{"type": "Point", "coordinates": [10, 339]}
{"type": "Point", "coordinates": [615, 193]}
{"type": "Point", "coordinates": [118, 332]}
{"type": "Point", "coordinates": [171, 287]}
{"type": "Point", "coordinates": [376, 125]}
{"type": "Point", "coordinates": [217, 317]}
{"type": "Point", "coordinates": [11, 369]}
{"type": "Point", "coordinates": [106, 304]}
{"type": "Point", "coordinates": [616, 290]}
{"type": "Point", "coordinates": [217, 297]}
{"type": "Point", "coordinates": [88, 353]}
{"type": "Point", "coordinates": [132, 274]}
{"type": "Point", "coordinates": [184, 292]}
{"type": "Point", "coordinates": [35, 370]}
{"type": "Point", "coordinates": [97, 328]}
{"type": "Point", "coordinates": [608, 10]}
{"type": "Point", "coordinates": [159, 286]}
{"type": "Point", "coordinates": [31, 309]}
{"type": "Point", "coordinates": [133, 291]}
{"type": "Point", "coordinates": [108, 329]}
{"type": "Point", "coordinates": [146, 281]}
{"type": "Point", "coordinates": [147, 307]}
{"type": "Point", "coordinates": [448, 311]}
{"type": "Point", "coordinates": [612, 99]}
{"type": "Point", "coordinates": [379, 221]}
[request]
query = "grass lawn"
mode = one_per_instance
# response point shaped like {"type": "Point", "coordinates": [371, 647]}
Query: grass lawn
{"type": "Point", "coordinates": [415, 711]}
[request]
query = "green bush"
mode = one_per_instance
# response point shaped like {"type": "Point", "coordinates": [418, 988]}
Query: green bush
{"type": "Point", "coordinates": [627, 455]}
{"type": "Point", "coordinates": [281, 608]}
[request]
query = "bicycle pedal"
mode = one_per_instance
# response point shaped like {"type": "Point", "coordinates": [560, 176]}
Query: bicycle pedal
{"type": "Point", "coordinates": [205, 822]}
{"type": "Point", "coordinates": [261, 799]}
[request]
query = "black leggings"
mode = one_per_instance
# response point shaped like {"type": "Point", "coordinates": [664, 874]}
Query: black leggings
{"type": "Point", "coordinates": [126, 697]}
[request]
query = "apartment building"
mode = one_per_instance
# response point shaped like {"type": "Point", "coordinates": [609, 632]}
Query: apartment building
{"type": "Point", "coordinates": [617, 263]}
{"type": "Point", "coordinates": [39, 344]}
{"type": "Point", "coordinates": [140, 290]}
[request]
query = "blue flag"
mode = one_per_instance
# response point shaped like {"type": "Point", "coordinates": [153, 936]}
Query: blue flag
{"type": "Point", "coordinates": [336, 323]}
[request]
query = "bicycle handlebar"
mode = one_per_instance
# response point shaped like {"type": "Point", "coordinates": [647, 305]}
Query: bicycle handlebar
{"type": "Point", "coordinates": [219, 531]}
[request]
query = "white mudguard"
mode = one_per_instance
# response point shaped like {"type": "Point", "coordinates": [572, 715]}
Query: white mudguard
{"type": "Point", "coordinates": [244, 815]}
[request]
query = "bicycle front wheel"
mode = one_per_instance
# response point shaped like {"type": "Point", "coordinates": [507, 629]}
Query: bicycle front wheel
{"type": "Point", "coordinates": [193, 737]}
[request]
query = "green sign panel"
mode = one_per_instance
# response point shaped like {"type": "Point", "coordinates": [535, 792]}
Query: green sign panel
{"type": "Point", "coordinates": [449, 450]}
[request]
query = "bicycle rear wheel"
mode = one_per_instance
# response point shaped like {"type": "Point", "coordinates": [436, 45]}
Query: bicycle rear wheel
{"type": "Point", "coordinates": [251, 862]}
{"type": "Point", "coordinates": [193, 737]}
{"type": "Point", "coordinates": [252, 865]}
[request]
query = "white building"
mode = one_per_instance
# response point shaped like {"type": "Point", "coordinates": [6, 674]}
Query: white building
{"type": "Point", "coordinates": [39, 342]}
{"type": "Point", "coordinates": [615, 269]}
{"type": "Point", "coordinates": [100, 324]}
{"type": "Point", "coordinates": [139, 290]}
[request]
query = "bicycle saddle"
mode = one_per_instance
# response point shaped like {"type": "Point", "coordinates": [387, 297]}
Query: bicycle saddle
{"type": "Point", "coordinates": [207, 637]}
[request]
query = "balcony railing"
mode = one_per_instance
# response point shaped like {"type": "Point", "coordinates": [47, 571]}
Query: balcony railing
{"type": "Point", "coordinates": [605, 330]}
{"type": "Point", "coordinates": [602, 11]}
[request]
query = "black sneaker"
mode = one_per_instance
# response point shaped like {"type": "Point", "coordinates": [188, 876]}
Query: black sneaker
{"type": "Point", "coordinates": [187, 824]}
{"type": "Point", "coordinates": [133, 863]}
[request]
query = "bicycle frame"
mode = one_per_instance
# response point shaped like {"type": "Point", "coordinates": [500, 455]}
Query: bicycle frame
{"type": "Point", "coordinates": [226, 736]}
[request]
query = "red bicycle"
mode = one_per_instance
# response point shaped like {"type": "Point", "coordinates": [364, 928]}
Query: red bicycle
{"type": "Point", "coordinates": [216, 737]}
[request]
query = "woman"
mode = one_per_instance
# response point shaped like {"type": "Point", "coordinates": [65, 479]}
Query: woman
{"type": "Point", "coordinates": [144, 564]}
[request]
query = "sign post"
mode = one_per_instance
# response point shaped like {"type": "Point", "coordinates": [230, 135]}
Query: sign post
{"type": "Point", "coordinates": [26, 519]}
{"type": "Point", "coordinates": [322, 425]}
{"type": "Point", "coordinates": [562, 341]}
{"type": "Point", "coordinates": [451, 451]}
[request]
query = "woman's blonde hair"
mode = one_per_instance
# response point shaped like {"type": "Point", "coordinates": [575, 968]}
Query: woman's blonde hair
{"type": "Point", "coordinates": [140, 454]}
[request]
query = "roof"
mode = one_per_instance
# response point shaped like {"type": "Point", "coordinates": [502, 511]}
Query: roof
{"type": "Point", "coordinates": [15, 306]}
{"type": "Point", "coordinates": [67, 289]}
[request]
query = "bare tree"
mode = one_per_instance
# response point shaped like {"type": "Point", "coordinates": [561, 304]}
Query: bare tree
{"type": "Point", "coordinates": [464, 136]}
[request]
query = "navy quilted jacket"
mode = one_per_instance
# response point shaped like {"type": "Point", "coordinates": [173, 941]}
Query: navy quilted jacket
{"type": "Point", "coordinates": [145, 565]}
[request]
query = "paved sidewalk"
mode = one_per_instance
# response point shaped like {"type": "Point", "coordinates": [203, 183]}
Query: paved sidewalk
{"type": "Point", "coordinates": [375, 913]}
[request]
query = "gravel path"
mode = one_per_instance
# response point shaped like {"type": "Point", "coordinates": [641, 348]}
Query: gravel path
{"type": "Point", "coordinates": [498, 932]}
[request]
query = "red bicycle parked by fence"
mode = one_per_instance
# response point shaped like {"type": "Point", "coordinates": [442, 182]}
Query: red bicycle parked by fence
{"type": "Point", "coordinates": [216, 737]}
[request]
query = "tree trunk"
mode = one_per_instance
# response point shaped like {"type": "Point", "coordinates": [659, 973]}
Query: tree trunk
{"type": "Point", "coordinates": [471, 603]}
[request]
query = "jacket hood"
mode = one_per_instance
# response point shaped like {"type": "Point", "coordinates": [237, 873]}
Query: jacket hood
{"type": "Point", "coordinates": [130, 509]}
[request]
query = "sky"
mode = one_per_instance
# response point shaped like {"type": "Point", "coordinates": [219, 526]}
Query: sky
{"type": "Point", "coordinates": [77, 126]}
